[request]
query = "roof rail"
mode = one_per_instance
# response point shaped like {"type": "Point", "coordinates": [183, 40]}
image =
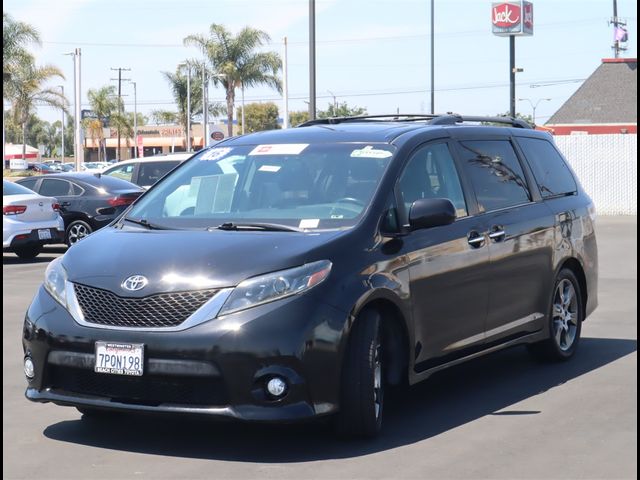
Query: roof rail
{"type": "Point", "coordinates": [443, 119]}
{"type": "Point", "coordinates": [379, 118]}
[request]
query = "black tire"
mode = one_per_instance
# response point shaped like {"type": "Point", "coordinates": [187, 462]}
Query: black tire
{"type": "Point", "coordinates": [28, 252]}
{"type": "Point", "coordinates": [361, 397]}
{"type": "Point", "coordinates": [556, 347]}
{"type": "Point", "coordinates": [76, 231]}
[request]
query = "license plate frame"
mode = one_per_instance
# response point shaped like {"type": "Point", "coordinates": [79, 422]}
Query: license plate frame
{"type": "Point", "coordinates": [116, 358]}
{"type": "Point", "coordinates": [44, 234]}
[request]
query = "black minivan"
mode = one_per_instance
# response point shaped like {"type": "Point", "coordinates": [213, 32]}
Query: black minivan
{"type": "Point", "coordinates": [293, 274]}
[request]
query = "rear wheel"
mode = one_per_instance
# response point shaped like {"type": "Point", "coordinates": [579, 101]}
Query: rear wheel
{"type": "Point", "coordinates": [565, 320]}
{"type": "Point", "coordinates": [28, 252]}
{"type": "Point", "coordinates": [76, 231]}
{"type": "Point", "coordinates": [362, 388]}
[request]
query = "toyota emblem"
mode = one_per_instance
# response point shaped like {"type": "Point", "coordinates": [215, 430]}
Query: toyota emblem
{"type": "Point", "coordinates": [135, 283]}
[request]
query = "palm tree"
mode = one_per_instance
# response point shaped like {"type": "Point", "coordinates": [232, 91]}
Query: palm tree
{"type": "Point", "coordinates": [178, 83]}
{"type": "Point", "coordinates": [26, 90]}
{"type": "Point", "coordinates": [236, 62]}
{"type": "Point", "coordinates": [103, 103]}
{"type": "Point", "coordinates": [15, 38]}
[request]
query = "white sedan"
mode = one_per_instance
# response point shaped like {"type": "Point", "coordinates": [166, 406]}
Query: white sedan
{"type": "Point", "coordinates": [29, 220]}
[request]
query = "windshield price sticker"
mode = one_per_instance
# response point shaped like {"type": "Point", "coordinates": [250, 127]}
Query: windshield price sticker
{"type": "Point", "coordinates": [309, 223]}
{"type": "Point", "coordinates": [269, 168]}
{"type": "Point", "coordinates": [119, 358]}
{"type": "Point", "coordinates": [216, 153]}
{"type": "Point", "coordinates": [279, 149]}
{"type": "Point", "coordinates": [370, 152]}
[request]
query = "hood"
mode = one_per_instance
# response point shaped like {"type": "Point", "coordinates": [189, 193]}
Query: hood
{"type": "Point", "coordinates": [185, 260]}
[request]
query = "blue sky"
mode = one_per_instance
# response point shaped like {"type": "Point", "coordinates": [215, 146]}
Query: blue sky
{"type": "Point", "coordinates": [370, 53]}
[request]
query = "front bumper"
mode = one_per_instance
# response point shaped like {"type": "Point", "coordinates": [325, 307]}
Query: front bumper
{"type": "Point", "coordinates": [217, 368]}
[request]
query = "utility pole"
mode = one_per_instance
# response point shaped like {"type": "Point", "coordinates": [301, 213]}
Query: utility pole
{"type": "Point", "coordinates": [433, 50]}
{"type": "Point", "coordinates": [285, 87]}
{"type": "Point", "coordinates": [512, 76]}
{"type": "Point", "coordinates": [62, 134]}
{"type": "Point", "coordinates": [312, 59]}
{"type": "Point", "coordinates": [242, 91]}
{"type": "Point", "coordinates": [79, 148]}
{"type": "Point", "coordinates": [619, 33]}
{"type": "Point", "coordinates": [135, 120]}
{"type": "Point", "coordinates": [120, 69]}
{"type": "Point", "coordinates": [205, 108]}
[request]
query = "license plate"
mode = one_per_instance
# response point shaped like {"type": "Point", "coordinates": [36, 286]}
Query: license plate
{"type": "Point", "coordinates": [119, 358]}
{"type": "Point", "coordinates": [44, 234]}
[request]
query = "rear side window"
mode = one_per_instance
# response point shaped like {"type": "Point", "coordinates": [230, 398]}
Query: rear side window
{"type": "Point", "coordinates": [125, 172]}
{"type": "Point", "coordinates": [496, 174]}
{"type": "Point", "coordinates": [150, 172]}
{"type": "Point", "coordinates": [30, 183]}
{"type": "Point", "coordinates": [54, 188]}
{"type": "Point", "coordinates": [549, 169]}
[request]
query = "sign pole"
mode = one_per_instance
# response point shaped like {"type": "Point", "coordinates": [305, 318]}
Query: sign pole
{"type": "Point", "coordinates": [512, 75]}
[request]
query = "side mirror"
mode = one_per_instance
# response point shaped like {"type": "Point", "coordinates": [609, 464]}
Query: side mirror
{"type": "Point", "coordinates": [431, 212]}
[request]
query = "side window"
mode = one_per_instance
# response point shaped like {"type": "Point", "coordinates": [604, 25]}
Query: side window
{"type": "Point", "coordinates": [30, 183]}
{"type": "Point", "coordinates": [431, 173]}
{"type": "Point", "coordinates": [150, 172]}
{"type": "Point", "coordinates": [76, 189]}
{"type": "Point", "coordinates": [496, 174]}
{"type": "Point", "coordinates": [125, 172]}
{"type": "Point", "coordinates": [549, 169]}
{"type": "Point", "coordinates": [54, 188]}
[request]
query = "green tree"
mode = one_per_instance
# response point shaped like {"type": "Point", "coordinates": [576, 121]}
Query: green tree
{"type": "Point", "coordinates": [16, 36]}
{"type": "Point", "coordinates": [236, 63]}
{"type": "Point", "coordinates": [341, 110]}
{"type": "Point", "coordinates": [259, 116]}
{"type": "Point", "coordinates": [296, 118]}
{"type": "Point", "coordinates": [26, 89]}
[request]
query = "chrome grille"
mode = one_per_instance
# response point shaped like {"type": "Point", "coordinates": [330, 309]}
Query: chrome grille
{"type": "Point", "coordinates": [103, 307]}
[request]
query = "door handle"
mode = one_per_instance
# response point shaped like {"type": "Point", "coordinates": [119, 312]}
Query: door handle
{"type": "Point", "coordinates": [475, 239]}
{"type": "Point", "coordinates": [65, 204]}
{"type": "Point", "coordinates": [497, 233]}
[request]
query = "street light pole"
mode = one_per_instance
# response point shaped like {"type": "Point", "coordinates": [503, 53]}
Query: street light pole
{"type": "Point", "coordinates": [79, 150]}
{"type": "Point", "coordinates": [62, 128]}
{"type": "Point", "coordinates": [205, 107]}
{"type": "Point", "coordinates": [312, 59]}
{"type": "Point", "coordinates": [534, 105]}
{"type": "Point", "coordinates": [433, 93]}
{"type": "Point", "coordinates": [242, 91]}
{"type": "Point", "coordinates": [188, 107]}
{"type": "Point", "coordinates": [285, 87]}
{"type": "Point", "coordinates": [135, 120]}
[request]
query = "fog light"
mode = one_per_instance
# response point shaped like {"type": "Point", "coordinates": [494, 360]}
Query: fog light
{"type": "Point", "coordinates": [29, 369]}
{"type": "Point", "coordinates": [277, 387]}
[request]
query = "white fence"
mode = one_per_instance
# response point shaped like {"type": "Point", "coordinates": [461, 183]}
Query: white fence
{"type": "Point", "coordinates": [607, 167]}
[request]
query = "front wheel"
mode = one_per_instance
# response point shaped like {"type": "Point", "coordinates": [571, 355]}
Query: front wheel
{"type": "Point", "coordinates": [362, 388]}
{"type": "Point", "coordinates": [565, 320]}
{"type": "Point", "coordinates": [76, 231]}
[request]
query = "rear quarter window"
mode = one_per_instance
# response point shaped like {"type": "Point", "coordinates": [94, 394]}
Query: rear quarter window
{"type": "Point", "coordinates": [549, 168]}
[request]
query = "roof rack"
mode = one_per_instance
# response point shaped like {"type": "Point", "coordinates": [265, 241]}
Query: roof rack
{"type": "Point", "coordinates": [443, 119]}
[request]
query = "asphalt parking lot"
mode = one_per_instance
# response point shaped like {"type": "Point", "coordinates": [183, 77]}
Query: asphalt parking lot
{"type": "Point", "coordinates": [504, 416]}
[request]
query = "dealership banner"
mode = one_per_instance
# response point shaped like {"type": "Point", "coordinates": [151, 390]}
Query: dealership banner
{"type": "Point", "coordinates": [512, 18]}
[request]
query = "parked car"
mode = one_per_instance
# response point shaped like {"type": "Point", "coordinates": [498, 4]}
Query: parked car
{"type": "Point", "coordinates": [68, 167]}
{"type": "Point", "coordinates": [87, 201]}
{"type": "Point", "coordinates": [294, 274]}
{"type": "Point", "coordinates": [29, 220]}
{"type": "Point", "coordinates": [148, 170]}
{"type": "Point", "coordinates": [93, 167]}
{"type": "Point", "coordinates": [41, 168]}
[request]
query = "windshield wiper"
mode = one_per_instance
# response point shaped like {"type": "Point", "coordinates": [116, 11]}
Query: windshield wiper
{"type": "Point", "coordinates": [145, 223]}
{"type": "Point", "coordinates": [268, 227]}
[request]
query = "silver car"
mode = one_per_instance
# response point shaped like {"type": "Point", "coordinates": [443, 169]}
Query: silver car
{"type": "Point", "coordinates": [29, 220]}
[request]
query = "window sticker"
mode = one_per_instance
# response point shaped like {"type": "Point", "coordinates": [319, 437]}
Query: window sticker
{"type": "Point", "coordinates": [370, 152]}
{"type": "Point", "coordinates": [279, 149]}
{"type": "Point", "coordinates": [215, 153]}
{"type": "Point", "coordinates": [309, 223]}
{"type": "Point", "coordinates": [269, 168]}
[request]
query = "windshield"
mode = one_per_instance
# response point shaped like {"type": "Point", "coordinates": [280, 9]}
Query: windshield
{"type": "Point", "coordinates": [317, 186]}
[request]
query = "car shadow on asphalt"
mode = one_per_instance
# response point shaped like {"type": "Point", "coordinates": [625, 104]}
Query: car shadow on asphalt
{"type": "Point", "coordinates": [449, 399]}
{"type": "Point", "coordinates": [47, 254]}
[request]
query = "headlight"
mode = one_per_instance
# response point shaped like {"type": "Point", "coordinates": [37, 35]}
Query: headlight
{"type": "Point", "coordinates": [55, 279]}
{"type": "Point", "coordinates": [274, 286]}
